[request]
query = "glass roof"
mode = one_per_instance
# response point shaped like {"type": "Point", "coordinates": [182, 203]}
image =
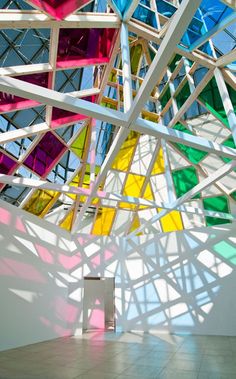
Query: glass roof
{"type": "Point", "coordinates": [118, 117]}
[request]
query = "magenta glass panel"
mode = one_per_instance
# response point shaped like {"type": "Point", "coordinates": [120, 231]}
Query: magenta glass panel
{"type": "Point", "coordinates": [7, 165]}
{"type": "Point", "coordinates": [84, 45]}
{"type": "Point", "coordinates": [61, 117]}
{"type": "Point", "coordinates": [59, 9]}
{"type": "Point", "coordinates": [45, 154]}
{"type": "Point", "coordinates": [9, 102]}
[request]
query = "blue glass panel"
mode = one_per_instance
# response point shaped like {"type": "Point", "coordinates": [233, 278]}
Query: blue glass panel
{"type": "Point", "coordinates": [146, 15]}
{"type": "Point", "coordinates": [122, 5]}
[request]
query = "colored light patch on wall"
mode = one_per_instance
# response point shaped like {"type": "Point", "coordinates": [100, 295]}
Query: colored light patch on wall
{"type": "Point", "coordinates": [171, 222]}
{"type": "Point", "coordinates": [123, 158]}
{"type": "Point", "coordinates": [159, 165]}
{"type": "Point", "coordinates": [133, 187]}
{"type": "Point", "coordinates": [45, 155]}
{"type": "Point", "coordinates": [226, 251]}
{"type": "Point", "coordinates": [135, 225]}
{"type": "Point", "coordinates": [193, 155]}
{"type": "Point", "coordinates": [103, 222]}
{"type": "Point", "coordinates": [184, 180]}
{"type": "Point", "coordinates": [78, 145]}
{"type": "Point", "coordinates": [40, 202]}
{"type": "Point", "coordinates": [218, 203]}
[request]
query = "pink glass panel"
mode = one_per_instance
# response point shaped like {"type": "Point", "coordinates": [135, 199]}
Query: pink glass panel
{"type": "Point", "coordinates": [59, 9]}
{"type": "Point", "coordinates": [84, 46]}
{"type": "Point", "coordinates": [45, 154]}
{"type": "Point", "coordinates": [11, 102]}
{"type": "Point", "coordinates": [7, 165]}
{"type": "Point", "coordinates": [61, 117]}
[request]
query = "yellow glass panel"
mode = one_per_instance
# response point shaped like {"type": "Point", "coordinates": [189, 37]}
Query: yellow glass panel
{"type": "Point", "coordinates": [67, 222]}
{"type": "Point", "coordinates": [123, 158]}
{"type": "Point", "coordinates": [103, 222]}
{"type": "Point", "coordinates": [171, 222]}
{"type": "Point", "coordinates": [135, 225]}
{"type": "Point", "coordinates": [148, 195]}
{"type": "Point", "coordinates": [159, 165]}
{"type": "Point", "coordinates": [40, 202]}
{"type": "Point", "coordinates": [133, 187]}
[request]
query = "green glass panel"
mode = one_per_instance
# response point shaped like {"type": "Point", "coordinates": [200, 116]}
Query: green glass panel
{"type": "Point", "coordinates": [165, 97]}
{"type": "Point", "coordinates": [152, 54]}
{"type": "Point", "coordinates": [193, 155]}
{"type": "Point", "coordinates": [185, 180]}
{"type": "Point", "coordinates": [78, 146]}
{"type": "Point", "coordinates": [183, 95]}
{"type": "Point", "coordinates": [226, 250]}
{"type": "Point", "coordinates": [211, 98]}
{"type": "Point", "coordinates": [108, 105]}
{"type": "Point", "coordinates": [229, 143]}
{"type": "Point", "coordinates": [135, 55]}
{"type": "Point", "coordinates": [218, 203]}
{"type": "Point", "coordinates": [172, 64]}
{"type": "Point", "coordinates": [233, 195]}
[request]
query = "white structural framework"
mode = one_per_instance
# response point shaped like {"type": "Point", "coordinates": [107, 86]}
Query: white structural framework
{"type": "Point", "coordinates": [122, 120]}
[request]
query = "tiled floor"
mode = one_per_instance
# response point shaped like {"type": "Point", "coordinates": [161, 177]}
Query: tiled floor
{"type": "Point", "coordinates": [110, 355]}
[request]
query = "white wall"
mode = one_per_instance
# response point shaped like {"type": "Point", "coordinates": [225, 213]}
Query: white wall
{"type": "Point", "coordinates": [179, 282]}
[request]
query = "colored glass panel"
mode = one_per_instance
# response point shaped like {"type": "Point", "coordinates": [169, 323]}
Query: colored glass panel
{"type": "Point", "coordinates": [193, 155]}
{"type": "Point", "coordinates": [165, 97]}
{"type": "Point", "coordinates": [78, 145]}
{"type": "Point", "coordinates": [159, 165]}
{"type": "Point", "coordinates": [211, 98]}
{"type": "Point", "coordinates": [40, 202]}
{"type": "Point", "coordinates": [133, 187]}
{"type": "Point", "coordinates": [233, 195]}
{"type": "Point", "coordinates": [148, 195]}
{"type": "Point", "coordinates": [171, 222]}
{"type": "Point", "coordinates": [183, 95]}
{"type": "Point", "coordinates": [230, 143]}
{"type": "Point", "coordinates": [123, 158]}
{"type": "Point", "coordinates": [67, 221]}
{"type": "Point", "coordinates": [103, 222]}
{"type": "Point", "coordinates": [174, 62]}
{"type": "Point", "coordinates": [7, 165]}
{"type": "Point", "coordinates": [145, 15]}
{"type": "Point", "coordinates": [59, 9]}
{"type": "Point", "coordinates": [45, 154]}
{"type": "Point", "coordinates": [84, 46]}
{"type": "Point", "coordinates": [218, 203]}
{"type": "Point", "coordinates": [135, 55]}
{"type": "Point", "coordinates": [184, 180]}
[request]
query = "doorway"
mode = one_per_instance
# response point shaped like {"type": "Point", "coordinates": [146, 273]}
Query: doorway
{"type": "Point", "coordinates": [99, 304]}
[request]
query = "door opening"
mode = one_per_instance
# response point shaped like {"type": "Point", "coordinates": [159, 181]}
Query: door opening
{"type": "Point", "coordinates": [99, 304]}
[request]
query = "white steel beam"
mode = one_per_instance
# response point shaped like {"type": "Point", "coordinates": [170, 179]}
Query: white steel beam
{"type": "Point", "coordinates": [160, 131]}
{"type": "Point", "coordinates": [123, 132]}
{"type": "Point", "coordinates": [25, 69]}
{"type": "Point", "coordinates": [226, 59]}
{"type": "Point", "coordinates": [178, 25]}
{"type": "Point", "coordinates": [12, 19]}
{"type": "Point", "coordinates": [103, 195]}
{"type": "Point", "coordinates": [128, 14]}
{"type": "Point", "coordinates": [205, 183]}
{"type": "Point", "coordinates": [60, 100]}
{"type": "Point", "coordinates": [227, 103]}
